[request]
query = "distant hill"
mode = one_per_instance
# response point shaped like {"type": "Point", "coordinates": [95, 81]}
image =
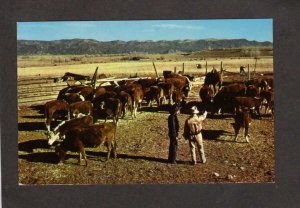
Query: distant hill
{"type": "Point", "coordinates": [90, 46]}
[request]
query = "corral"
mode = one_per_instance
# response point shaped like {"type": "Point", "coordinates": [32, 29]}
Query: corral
{"type": "Point", "coordinates": [143, 142]}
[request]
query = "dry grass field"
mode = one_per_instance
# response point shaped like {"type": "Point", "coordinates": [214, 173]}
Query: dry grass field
{"type": "Point", "coordinates": [116, 66]}
{"type": "Point", "coordinates": [143, 142]}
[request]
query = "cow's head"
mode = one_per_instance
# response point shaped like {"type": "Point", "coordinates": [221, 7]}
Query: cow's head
{"type": "Point", "coordinates": [52, 137]}
{"type": "Point", "coordinates": [102, 105]}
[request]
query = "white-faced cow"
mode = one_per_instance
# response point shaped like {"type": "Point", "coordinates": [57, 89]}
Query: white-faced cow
{"type": "Point", "coordinates": [55, 107]}
{"type": "Point", "coordinates": [64, 127]}
{"type": "Point", "coordinates": [92, 136]}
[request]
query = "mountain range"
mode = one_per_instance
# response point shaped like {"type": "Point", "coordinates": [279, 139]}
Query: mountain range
{"type": "Point", "coordinates": [91, 46]}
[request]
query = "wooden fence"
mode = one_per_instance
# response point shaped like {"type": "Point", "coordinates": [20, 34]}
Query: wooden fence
{"type": "Point", "coordinates": [37, 90]}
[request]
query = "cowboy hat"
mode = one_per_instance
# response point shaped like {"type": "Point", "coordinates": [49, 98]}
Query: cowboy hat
{"type": "Point", "coordinates": [194, 110]}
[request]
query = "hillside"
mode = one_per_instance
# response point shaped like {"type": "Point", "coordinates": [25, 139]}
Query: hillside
{"type": "Point", "coordinates": [90, 46]}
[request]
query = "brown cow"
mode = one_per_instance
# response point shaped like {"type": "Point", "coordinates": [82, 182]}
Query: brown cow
{"type": "Point", "coordinates": [53, 107]}
{"type": "Point", "coordinates": [112, 108]}
{"type": "Point", "coordinates": [93, 136]}
{"type": "Point", "coordinates": [178, 97]}
{"type": "Point", "coordinates": [180, 84]}
{"type": "Point", "coordinates": [65, 126]}
{"type": "Point", "coordinates": [242, 119]}
{"type": "Point", "coordinates": [224, 99]}
{"type": "Point", "coordinates": [87, 93]}
{"type": "Point", "coordinates": [99, 91]}
{"type": "Point", "coordinates": [148, 82]}
{"type": "Point", "coordinates": [252, 91]}
{"type": "Point", "coordinates": [154, 93]}
{"type": "Point", "coordinates": [268, 95]}
{"type": "Point", "coordinates": [135, 90]}
{"type": "Point", "coordinates": [81, 108]}
{"type": "Point", "coordinates": [73, 97]}
{"type": "Point", "coordinates": [168, 89]}
{"type": "Point", "coordinates": [248, 102]}
{"type": "Point", "coordinates": [206, 94]}
{"type": "Point", "coordinates": [214, 78]}
{"type": "Point", "coordinates": [126, 103]}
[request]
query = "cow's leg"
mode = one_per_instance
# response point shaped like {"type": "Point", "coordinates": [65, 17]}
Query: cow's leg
{"type": "Point", "coordinates": [114, 148]}
{"type": "Point", "coordinates": [109, 148]}
{"type": "Point", "coordinates": [124, 107]}
{"type": "Point", "coordinates": [116, 119]}
{"type": "Point", "coordinates": [236, 131]}
{"type": "Point", "coordinates": [69, 115]}
{"type": "Point", "coordinates": [258, 112]}
{"type": "Point", "coordinates": [246, 133]}
{"type": "Point", "coordinates": [134, 109]}
{"type": "Point", "coordinates": [47, 124]}
{"type": "Point", "coordinates": [215, 91]}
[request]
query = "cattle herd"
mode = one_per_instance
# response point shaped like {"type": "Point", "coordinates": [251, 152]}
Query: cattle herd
{"type": "Point", "coordinates": [80, 106]}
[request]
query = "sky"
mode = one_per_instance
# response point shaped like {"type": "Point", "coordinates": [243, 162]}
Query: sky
{"type": "Point", "coordinates": [250, 29]}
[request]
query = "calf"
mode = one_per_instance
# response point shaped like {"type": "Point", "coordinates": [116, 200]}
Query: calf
{"type": "Point", "coordinates": [168, 89]}
{"type": "Point", "coordinates": [155, 93]}
{"type": "Point", "coordinates": [81, 108]}
{"type": "Point", "coordinates": [269, 100]}
{"type": "Point", "coordinates": [112, 108]}
{"type": "Point", "coordinates": [52, 107]}
{"type": "Point", "coordinates": [126, 103]}
{"type": "Point", "coordinates": [242, 119]}
{"type": "Point", "coordinates": [64, 127]}
{"type": "Point", "coordinates": [248, 102]}
{"type": "Point", "coordinates": [135, 90]}
{"type": "Point", "coordinates": [93, 136]}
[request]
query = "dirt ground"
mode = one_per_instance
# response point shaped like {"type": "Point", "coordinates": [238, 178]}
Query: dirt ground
{"type": "Point", "coordinates": [143, 150]}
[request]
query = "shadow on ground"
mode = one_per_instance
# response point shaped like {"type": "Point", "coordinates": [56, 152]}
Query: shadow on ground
{"type": "Point", "coordinates": [29, 146]}
{"type": "Point", "coordinates": [45, 157]}
{"type": "Point", "coordinates": [31, 126]}
{"type": "Point", "coordinates": [39, 108]}
{"type": "Point", "coordinates": [215, 134]}
{"type": "Point", "coordinates": [37, 117]}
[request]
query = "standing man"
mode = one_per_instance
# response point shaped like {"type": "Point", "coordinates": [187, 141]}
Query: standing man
{"type": "Point", "coordinates": [173, 133]}
{"type": "Point", "coordinates": [192, 132]}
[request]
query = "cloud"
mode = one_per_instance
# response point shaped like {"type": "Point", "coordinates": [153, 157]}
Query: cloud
{"type": "Point", "coordinates": [174, 26]}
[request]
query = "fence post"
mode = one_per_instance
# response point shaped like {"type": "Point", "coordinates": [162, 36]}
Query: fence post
{"type": "Point", "coordinates": [155, 69]}
{"type": "Point", "coordinates": [94, 79]}
{"type": "Point", "coordinates": [205, 67]}
{"type": "Point", "coordinates": [175, 69]}
{"type": "Point", "coordinates": [221, 68]}
{"type": "Point", "coordinates": [248, 72]}
{"type": "Point", "coordinates": [182, 68]}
